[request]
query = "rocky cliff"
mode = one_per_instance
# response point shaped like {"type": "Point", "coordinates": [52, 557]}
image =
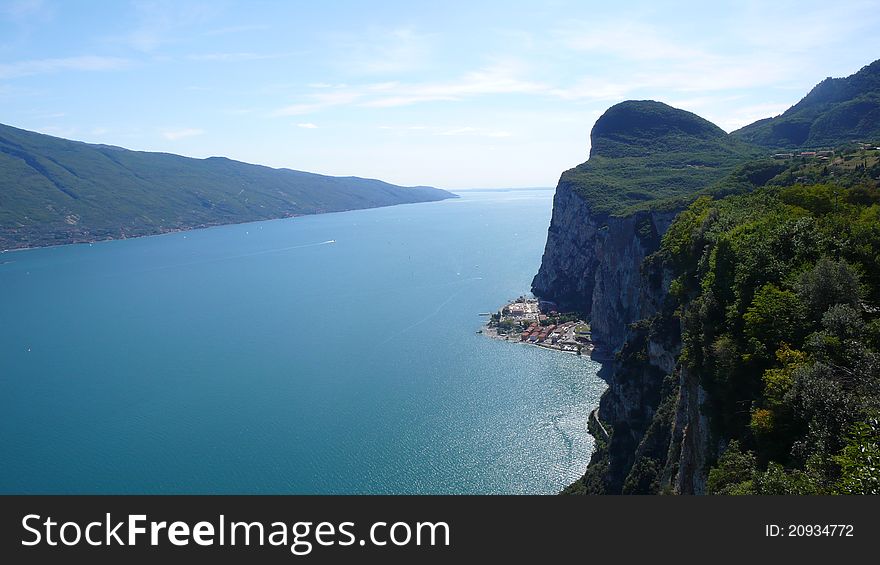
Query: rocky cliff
{"type": "Point", "coordinates": [591, 264]}
{"type": "Point", "coordinates": [684, 379]}
{"type": "Point", "coordinates": [656, 438]}
{"type": "Point", "coordinates": [609, 214]}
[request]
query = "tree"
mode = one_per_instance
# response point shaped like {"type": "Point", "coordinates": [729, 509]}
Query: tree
{"type": "Point", "coordinates": [774, 317]}
{"type": "Point", "coordinates": [860, 460]}
{"type": "Point", "coordinates": [734, 472]}
{"type": "Point", "coordinates": [843, 321]}
{"type": "Point", "coordinates": [826, 284]}
{"type": "Point", "coordinates": [776, 480]}
{"type": "Point", "coordinates": [643, 477]}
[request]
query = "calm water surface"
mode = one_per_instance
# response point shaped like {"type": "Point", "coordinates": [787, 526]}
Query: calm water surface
{"type": "Point", "coordinates": [259, 358]}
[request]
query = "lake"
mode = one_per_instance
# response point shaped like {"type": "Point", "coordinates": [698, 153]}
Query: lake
{"type": "Point", "coordinates": [324, 354]}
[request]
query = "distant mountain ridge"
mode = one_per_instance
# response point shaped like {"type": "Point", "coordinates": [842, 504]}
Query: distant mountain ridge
{"type": "Point", "coordinates": [57, 191]}
{"type": "Point", "coordinates": [834, 112]}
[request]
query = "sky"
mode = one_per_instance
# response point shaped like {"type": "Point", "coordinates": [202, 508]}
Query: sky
{"type": "Point", "coordinates": [449, 94]}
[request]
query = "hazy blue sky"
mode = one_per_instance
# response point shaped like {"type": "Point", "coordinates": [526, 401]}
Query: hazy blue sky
{"type": "Point", "coordinates": [444, 93]}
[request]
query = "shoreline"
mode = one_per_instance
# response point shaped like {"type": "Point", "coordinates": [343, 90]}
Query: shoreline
{"type": "Point", "coordinates": [208, 226]}
{"type": "Point", "coordinates": [157, 234]}
{"type": "Point", "coordinates": [495, 336]}
{"type": "Point", "coordinates": [537, 323]}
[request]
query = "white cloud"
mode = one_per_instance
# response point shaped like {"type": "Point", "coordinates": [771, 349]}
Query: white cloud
{"type": "Point", "coordinates": [480, 132]}
{"type": "Point", "coordinates": [233, 57]}
{"type": "Point", "coordinates": [623, 38]}
{"type": "Point", "coordinates": [497, 79]}
{"type": "Point", "coordinates": [449, 131]}
{"type": "Point", "coordinates": [51, 116]}
{"type": "Point", "coordinates": [308, 125]}
{"type": "Point", "coordinates": [320, 100]}
{"type": "Point", "coordinates": [738, 117]}
{"type": "Point", "coordinates": [383, 51]}
{"type": "Point", "coordinates": [500, 79]}
{"type": "Point", "coordinates": [182, 133]}
{"type": "Point", "coordinates": [459, 131]}
{"type": "Point", "coordinates": [239, 111]}
{"type": "Point", "coordinates": [395, 101]}
{"type": "Point", "coordinates": [787, 26]}
{"type": "Point", "coordinates": [236, 29]}
{"type": "Point", "coordinates": [592, 88]}
{"type": "Point", "coordinates": [649, 59]}
{"type": "Point", "coordinates": [43, 66]}
{"type": "Point", "coordinates": [161, 22]}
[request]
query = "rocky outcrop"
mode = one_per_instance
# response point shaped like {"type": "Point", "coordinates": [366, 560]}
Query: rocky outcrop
{"type": "Point", "coordinates": [592, 263]}
{"type": "Point", "coordinates": [651, 433]}
{"type": "Point", "coordinates": [610, 212]}
{"type": "Point", "coordinates": [595, 264]}
{"type": "Point", "coordinates": [655, 435]}
{"type": "Point", "coordinates": [652, 428]}
{"type": "Point", "coordinates": [692, 433]}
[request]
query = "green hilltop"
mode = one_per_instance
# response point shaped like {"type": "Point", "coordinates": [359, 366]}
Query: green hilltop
{"type": "Point", "coordinates": [648, 155]}
{"type": "Point", "coordinates": [56, 191]}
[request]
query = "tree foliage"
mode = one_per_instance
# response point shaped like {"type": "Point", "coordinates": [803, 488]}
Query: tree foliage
{"type": "Point", "coordinates": [778, 294]}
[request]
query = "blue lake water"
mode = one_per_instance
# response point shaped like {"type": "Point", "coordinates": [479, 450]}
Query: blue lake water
{"type": "Point", "coordinates": [258, 358]}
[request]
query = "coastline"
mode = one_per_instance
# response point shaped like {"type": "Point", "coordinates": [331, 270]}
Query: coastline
{"type": "Point", "coordinates": [204, 227]}
{"type": "Point", "coordinates": [526, 343]}
{"type": "Point", "coordinates": [156, 234]}
{"type": "Point", "coordinates": [538, 323]}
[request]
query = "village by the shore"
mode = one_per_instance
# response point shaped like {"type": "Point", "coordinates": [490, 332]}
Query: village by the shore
{"type": "Point", "coordinates": [538, 322]}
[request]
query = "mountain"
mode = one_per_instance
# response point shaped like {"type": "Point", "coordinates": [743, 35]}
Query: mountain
{"type": "Point", "coordinates": [646, 154]}
{"type": "Point", "coordinates": [836, 111]}
{"type": "Point", "coordinates": [755, 366]}
{"type": "Point", "coordinates": [647, 161]}
{"type": "Point", "coordinates": [55, 191]}
{"type": "Point", "coordinates": [734, 299]}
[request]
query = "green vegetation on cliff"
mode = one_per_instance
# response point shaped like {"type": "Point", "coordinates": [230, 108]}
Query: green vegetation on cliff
{"type": "Point", "coordinates": [778, 299]}
{"type": "Point", "coordinates": [836, 111]}
{"type": "Point", "coordinates": [773, 309]}
{"type": "Point", "coordinates": [55, 191]}
{"type": "Point", "coordinates": [648, 155]}
{"type": "Point", "coordinates": [756, 366]}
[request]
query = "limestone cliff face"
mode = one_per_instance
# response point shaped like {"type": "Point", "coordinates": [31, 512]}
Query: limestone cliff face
{"type": "Point", "coordinates": [592, 263]}
{"type": "Point", "coordinates": [567, 273]}
{"type": "Point", "coordinates": [659, 438]}
{"type": "Point", "coordinates": [692, 431]}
